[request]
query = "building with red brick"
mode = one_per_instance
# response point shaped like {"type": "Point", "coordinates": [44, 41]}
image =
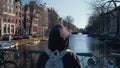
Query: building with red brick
{"type": "Point", "coordinates": [39, 16]}
{"type": "Point", "coordinates": [12, 17]}
{"type": "Point", "coordinates": [7, 21]}
{"type": "Point", "coordinates": [19, 12]}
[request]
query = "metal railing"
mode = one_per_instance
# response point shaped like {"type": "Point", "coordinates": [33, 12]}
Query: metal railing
{"type": "Point", "coordinates": [92, 61]}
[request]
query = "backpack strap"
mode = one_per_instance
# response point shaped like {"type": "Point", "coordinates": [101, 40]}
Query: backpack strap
{"type": "Point", "coordinates": [48, 52]}
{"type": "Point", "coordinates": [61, 54]}
{"type": "Point", "coordinates": [64, 52]}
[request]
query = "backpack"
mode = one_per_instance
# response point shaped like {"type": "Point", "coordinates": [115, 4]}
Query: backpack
{"type": "Point", "coordinates": [55, 58]}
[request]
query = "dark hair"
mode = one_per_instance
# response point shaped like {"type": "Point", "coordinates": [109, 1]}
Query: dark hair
{"type": "Point", "coordinates": [58, 38]}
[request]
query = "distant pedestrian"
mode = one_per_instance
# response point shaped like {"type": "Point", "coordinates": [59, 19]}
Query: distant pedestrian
{"type": "Point", "coordinates": [58, 55]}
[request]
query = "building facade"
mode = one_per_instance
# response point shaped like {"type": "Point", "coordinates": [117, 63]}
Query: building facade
{"type": "Point", "coordinates": [43, 20]}
{"type": "Point", "coordinates": [16, 18]}
{"type": "Point", "coordinates": [31, 18]}
{"type": "Point", "coordinates": [19, 12]}
{"type": "Point", "coordinates": [39, 17]}
{"type": "Point", "coordinates": [7, 21]}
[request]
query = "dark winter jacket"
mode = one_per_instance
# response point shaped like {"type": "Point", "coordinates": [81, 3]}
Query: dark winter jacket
{"type": "Point", "coordinates": [70, 60]}
{"type": "Point", "coordinates": [59, 40]}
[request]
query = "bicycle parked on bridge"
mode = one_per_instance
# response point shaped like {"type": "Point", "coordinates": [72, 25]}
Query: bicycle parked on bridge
{"type": "Point", "coordinates": [110, 61]}
{"type": "Point", "coordinates": [91, 61]}
{"type": "Point", "coordinates": [30, 57]}
{"type": "Point", "coordinates": [7, 63]}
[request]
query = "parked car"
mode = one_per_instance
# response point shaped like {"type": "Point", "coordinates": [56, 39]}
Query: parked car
{"type": "Point", "coordinates": [36, 35]}
{"type": "Point", "coordinates": [112, 34]}
{"type": "Point", "coordinates": [17, 36]}
{"type": "Point", "coordinates": [7, 37]}
{"type": "Point", "coordinates": [26, 36]}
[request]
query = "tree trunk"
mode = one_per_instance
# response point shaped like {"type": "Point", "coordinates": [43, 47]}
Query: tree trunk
{"type": "Point", "coordinates": [30, 27]}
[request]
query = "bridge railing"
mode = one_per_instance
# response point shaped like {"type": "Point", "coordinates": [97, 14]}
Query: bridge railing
{"type": "Point", "coordinates": [92, 61]}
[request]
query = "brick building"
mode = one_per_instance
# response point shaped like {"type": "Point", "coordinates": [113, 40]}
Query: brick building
{"type": "Point", "coordinates": [7, 20]}
{"type": "Point", "coordinates": [19, 12]}
{"type": "Point", "coordinates": [53, 18]}
{"type": "Point", "coordinates": [14, 21]}
{"type": "Point", "coordinates": [11, 19]}
{"type": "Point", "coordinates": [39, 16]}
{"type": "Point", "coordinates": [31, 17]}
{"type": "Point", "coordinates": [43, 20]}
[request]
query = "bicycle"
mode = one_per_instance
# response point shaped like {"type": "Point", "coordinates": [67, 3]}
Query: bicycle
{"type": "Point", "coordinates": [110, 61]}
{"type": "Point", "coordinates": [91, 59]}
{"type": "Point", "coordinates": [7, 63]}
{"type": "Point", "coordinates": [30, 57]}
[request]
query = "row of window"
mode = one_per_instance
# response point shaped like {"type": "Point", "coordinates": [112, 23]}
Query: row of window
{"type": "Point", "coordinates": [10, 1]}
{"type": "Point", "coordinates": [9, 9]}
{"type": "Point", "coordinates": [8, 19]}
{"type": "Point", "coordinates": [19, 14]}
{"type": "Point", "coordinates": [12, 20]}
{"type": "Point", "coordinates": [18, 8]}
{"type": "Point", "coordinates": [7, 29]}
{"type": "Point", "coordinates": [19, 22]}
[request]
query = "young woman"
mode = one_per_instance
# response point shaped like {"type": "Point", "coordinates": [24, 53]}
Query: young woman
{"type": "Point", "coordinates": [59, 40]}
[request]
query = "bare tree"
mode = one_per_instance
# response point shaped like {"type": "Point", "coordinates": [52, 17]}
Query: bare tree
{"type": "Point", "coordinates": [69, 20]}
{"type": "Point", "coordinates": [34, 10]}
{"type": "Point", "coordinates": [25, 9]}
{"type": "Point", "coordinates": [102, 11]}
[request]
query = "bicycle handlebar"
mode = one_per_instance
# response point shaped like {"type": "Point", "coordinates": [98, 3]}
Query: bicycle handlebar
{"type": "Point", "coordinates": [85, 54]}
{"type": "Point", "coordinates": [34, 51]}
{"type": "Point", "coordinates": [11, 49]}
{"type": "Point", "coordinates": [115, 55]}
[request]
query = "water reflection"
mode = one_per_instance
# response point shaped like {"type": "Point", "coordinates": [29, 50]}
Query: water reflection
{"type": "Point", "coordinates": [78, 43]}
{"type": "Point", "coordinates": [84, 44]}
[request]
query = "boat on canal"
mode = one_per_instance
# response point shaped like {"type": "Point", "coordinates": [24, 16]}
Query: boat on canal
{"type": "Point", "coordinates": [8, 45]}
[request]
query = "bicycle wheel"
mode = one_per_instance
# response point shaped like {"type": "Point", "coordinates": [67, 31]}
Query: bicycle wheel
{"type": "Point", "coordinates": [107, 62]}
{"type": "Point", "coordinates": [8, 64]}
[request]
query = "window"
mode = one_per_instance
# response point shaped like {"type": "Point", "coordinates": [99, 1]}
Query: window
{"type": "Point", "coordinates": [12, 19]}
{"type": "Point", "coordinates": [20, 15]}
{"type": "Point", "coordinates": [5, 8]}
{"type": "Point", "coordinates": [9, 28]}
{"type": "Point", "coordinates": [19, 9]}
{"type": "Point", "coordinates": [5, 26]}
{"type": "Point", "coordinates": [34, 29]}
{"type": "Point", "coordinates": [9, 1]}
{"type": "Point", "coordinates": [8, 8]}
{"type": "Point", "coordinates": [12, 1]}
{"type": "Point", "coordinates": [4, 19]}
{"type": "Point", "coordinates": [9, 19]}
{"type": "Point", "coordinates": [16, 13]}
{"type": "Point", "coordinates": [12, 10]}
{"type": "Point", "coordinates": [12, 28]}
{"type": "Point", "coordinates": [19, 22]}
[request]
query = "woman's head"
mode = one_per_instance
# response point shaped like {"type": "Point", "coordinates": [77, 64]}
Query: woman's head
{"type": "Point", "coordinates": [58, 38]}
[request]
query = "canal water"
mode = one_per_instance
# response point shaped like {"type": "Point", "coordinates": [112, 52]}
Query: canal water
{"type": "Point", "coordinates": [83, 44]}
